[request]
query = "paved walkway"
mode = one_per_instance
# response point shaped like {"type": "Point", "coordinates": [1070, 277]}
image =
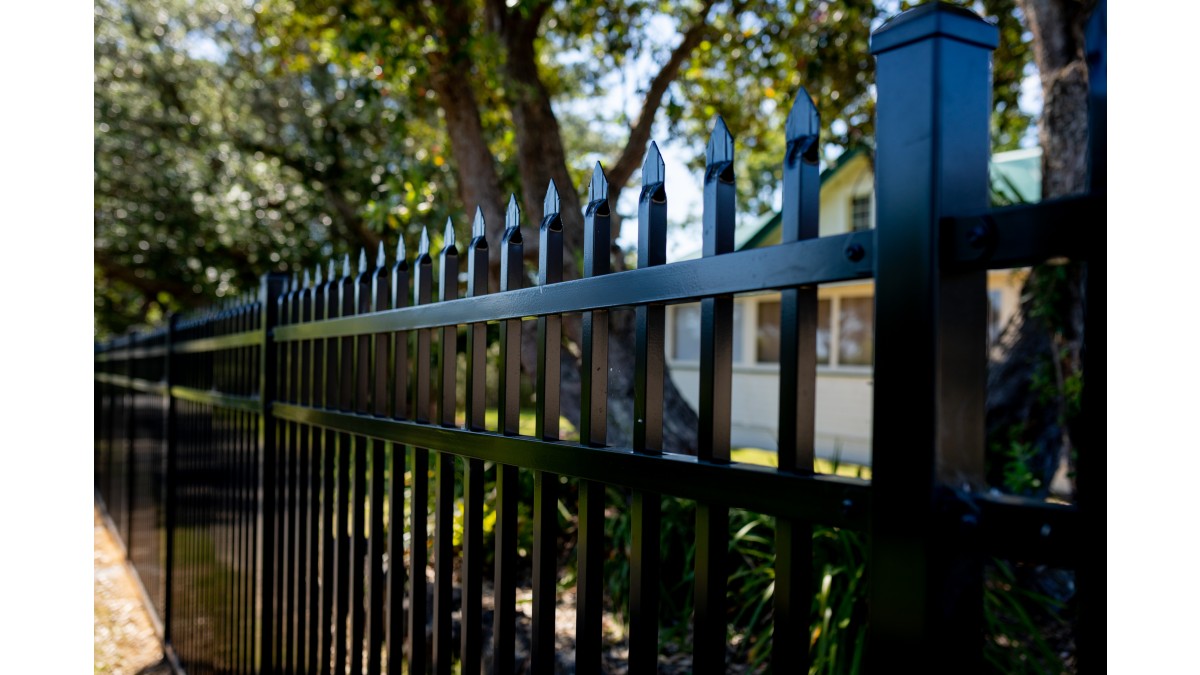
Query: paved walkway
{"type": "Point", "coordinates": [125, 641]}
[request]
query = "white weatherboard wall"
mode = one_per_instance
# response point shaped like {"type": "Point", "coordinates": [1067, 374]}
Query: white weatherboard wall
{"type": "Point", "coordinates": [843, 414]}
{"type": "Point", "coordinates": [843, 391]}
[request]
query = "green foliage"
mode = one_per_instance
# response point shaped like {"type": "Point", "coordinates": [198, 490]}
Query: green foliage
{"type": "Point", "coordinates": [1019, 463]}
{"type": "Point", "coordinates": [839, 556]}
{"type": "Point", "coordinates": [232, 139]}
{"type": "Point", "coordinates": [1015, 621]}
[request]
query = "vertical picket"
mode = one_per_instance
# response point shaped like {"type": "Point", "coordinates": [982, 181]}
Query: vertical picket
{"type": "Point", "coordinates": [443, 528]}
{"type": "Point", "coordinates": [507, 479]}
{"type": "Point", "coordinates": [593, 430]}
{"type": "Point", "coordinates": [472, 565]}
{"type": "Point", "coordinates": [646, 509]}
{"type": "Point", "coordinates": [395, 526]}
{"type": "Point", "coordinates": [797, 390]}
{"type": "Point", "coordinates": [418, 556]}
{"type": "Point", "coordinates": [716, 381]}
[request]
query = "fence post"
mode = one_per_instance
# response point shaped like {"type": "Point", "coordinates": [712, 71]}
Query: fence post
{"type": "Point", "coordinates": [169, 439]}
{"type": "Point", "coordinates": [934, 106]}
{"type": "Point", "coordinates": [270, 288]}
{"type": "Point", "coordinates": [1091, 468]}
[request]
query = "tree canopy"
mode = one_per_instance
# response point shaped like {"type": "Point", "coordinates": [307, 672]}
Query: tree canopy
{"type": "Point", "coordinates": [232, 139]}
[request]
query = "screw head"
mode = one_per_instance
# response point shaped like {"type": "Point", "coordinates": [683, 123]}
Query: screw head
{"type": "Point", "coordinates": [855, 252]}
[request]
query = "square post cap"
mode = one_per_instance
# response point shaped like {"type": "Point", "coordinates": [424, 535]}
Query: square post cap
{"type": "Point", "coordinates": [936, 19]}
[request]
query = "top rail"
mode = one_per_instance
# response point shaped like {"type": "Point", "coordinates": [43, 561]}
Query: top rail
{"type": "Point", "coordinates": [816, 261]}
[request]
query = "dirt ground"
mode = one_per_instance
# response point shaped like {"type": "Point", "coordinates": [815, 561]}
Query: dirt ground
{"type": "Point", "coordinates": [125, 641]}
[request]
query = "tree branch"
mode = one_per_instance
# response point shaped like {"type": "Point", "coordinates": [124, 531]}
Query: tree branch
{"type": "Point", "coordinates": [148, 286]}
{"type": "Point", "coordinates": [635, 148]}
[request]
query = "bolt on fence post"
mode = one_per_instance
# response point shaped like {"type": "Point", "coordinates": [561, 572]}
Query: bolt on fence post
{"type": "Point", "coordinates": [934, 84]}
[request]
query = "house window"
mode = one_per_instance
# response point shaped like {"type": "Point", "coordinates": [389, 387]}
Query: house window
{"type": "Point", "coordinates": [856, 332]}
{"type": "Point", "coordinates": [769, 327]}
{"type": "Point", "coordinates": [768, 332]}
{"type": "Point", "coordinates": [686, 340]}
{"type": "Point", "coordinates": [824, 334]}
{"type": "Point", "coordinates": [860, 213]}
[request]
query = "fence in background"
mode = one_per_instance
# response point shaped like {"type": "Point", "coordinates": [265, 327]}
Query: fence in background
{"type": "Point", "coordinates": [252, 458]}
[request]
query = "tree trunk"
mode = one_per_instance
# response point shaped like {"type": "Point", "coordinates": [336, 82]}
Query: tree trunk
{"type": "Point", "coordinates": [1029, 398]}
{"type": "Point", "coordinates": [478, 183]}
{"type": "Point", "coordinates": [541, 158]}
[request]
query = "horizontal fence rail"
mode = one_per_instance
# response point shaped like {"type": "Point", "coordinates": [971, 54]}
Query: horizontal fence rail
{"type": "Point", "coordinates": [298, 493]}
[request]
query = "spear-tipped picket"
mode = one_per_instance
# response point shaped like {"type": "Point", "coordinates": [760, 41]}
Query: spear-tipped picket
{"type": "Point", "coordinates": [376, 544]}
{"type": "Point", "coordinates": [545, 511]}
{"type": "Point", "coordinates": [716, 382]}
{"type": "Point", "coordinates": [476, 403]}
{"type": "Point", "coordinates": [803, 119]}
{"type": "Point", "coordinates": [507, 480]}
{"type": "Point", "coordinates": [654, 170]}
{"type": "Point", "coordinates": [593, 428]}
{"type": "Point", "coordinates": [652, 212]}
{"type": "Point", "coordinates": [422, 398]}
{"type": "Point", "coordinates": [358, 379]}
{"type": "Point", "coordinates": [797, 370]}
{"type": "Point", "coordinates": [646, 508]}
{"type": "Point", "coordinates": [597, 226]}
{"type": "Point", "coordinates": [551, 204]}
{"type": "Point", "coordinates": [307, 283]}
{"type": "Point", "coordinates": [399, 409]}
{"type": "Point", "coordinates": [448, 240]}
{"type": "Point", "coordinates": [346, 266]}
{"type": "Point", "coordinates": [423, 246]}
{"type": "Point", "coordinates": [478, 227]}
{"type": "Point", "coordinates": [332, 274]}
{"type": "Point", "coordinates": [719, 191]}
{"type": "Point", "coordinates": [443, 533]}
{"type": "Point", "coordinates": [598, 188]}
{"type": "Point", "coordinates": [512, 229]}
{"type": "Point", "coordinates": [317, 280]}
{"type": "Point", "coordinates": [720, 145]}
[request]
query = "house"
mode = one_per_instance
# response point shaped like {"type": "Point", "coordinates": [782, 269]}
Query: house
{"type": "Point", "coordinates": [845, 318]}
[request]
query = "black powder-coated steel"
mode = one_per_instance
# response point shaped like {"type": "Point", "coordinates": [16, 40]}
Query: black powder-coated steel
{"type": "Point", "coordinates": [797, 390]}
{"type": "Point", "coordinates": [507, 478]}
{"type": "Point", "coordinates": [593, 431]}
{"type": "Point", "coordinates": [925, 600]}
{"type": "Point", "coordinates": [716, 390]}
{"type": "Point", "coordinates": [395, 573]}
{"type": "Point", "coordinates": [418, 555]}
{"type": "Point", "coordinates": [443, 518]}
{"type": "Point", "coordinates": [646, 507]}
{"type": "Point", "coordinates": [234, 446]}
{"type": "Point", "coordinates": [545, 485]}
{"type": "Point", "coordinates": [471, 648]}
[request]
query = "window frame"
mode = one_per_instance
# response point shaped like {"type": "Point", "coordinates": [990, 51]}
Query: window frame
{"type": "Point", "coordinates": [750, 362]}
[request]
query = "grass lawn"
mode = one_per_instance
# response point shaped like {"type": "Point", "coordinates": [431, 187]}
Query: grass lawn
{"type": "Point", "coordinates": [769, 458]}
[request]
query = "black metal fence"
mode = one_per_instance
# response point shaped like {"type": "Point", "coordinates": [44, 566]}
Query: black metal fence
{"type": "Point", "coordinates": [253, 458]}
